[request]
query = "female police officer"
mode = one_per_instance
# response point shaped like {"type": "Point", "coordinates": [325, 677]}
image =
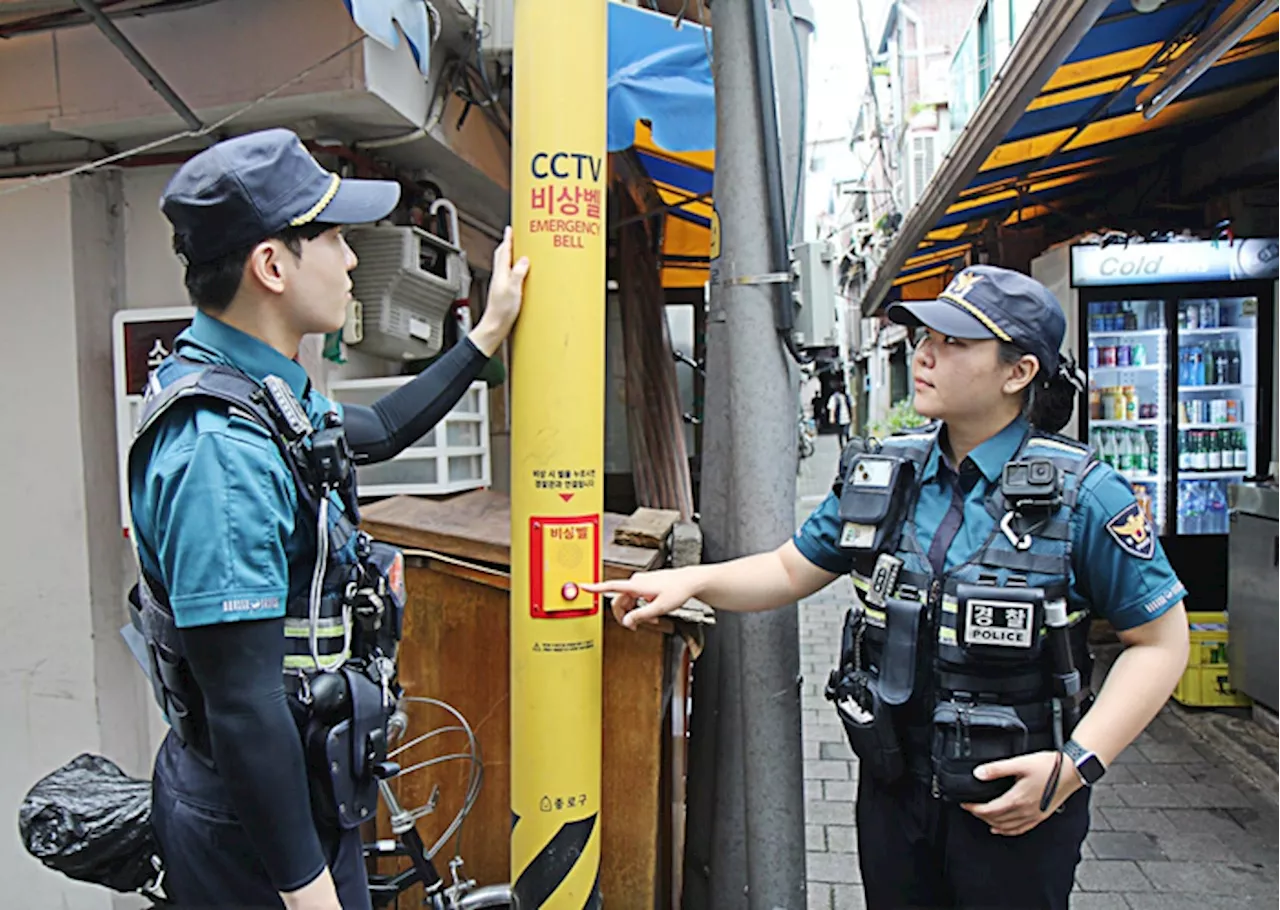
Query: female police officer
{"type": "Point", "coordinates": [979, 547]}
{"type": "Point", "coordinates": [231, 553]}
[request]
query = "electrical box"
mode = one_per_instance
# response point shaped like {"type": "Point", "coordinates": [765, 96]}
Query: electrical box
{"type": "Point", "coordinates": [140, 339]}
{"type": "Point", "coordinates": [453, 456]}
{"type": "Point", "coordinates": [814, 292]}
{"type": "Point", "coordinates": [404, 287]}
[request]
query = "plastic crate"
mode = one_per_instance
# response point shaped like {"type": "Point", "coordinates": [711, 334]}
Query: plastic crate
{"type": "Point", "coordinates": [1204, 683]}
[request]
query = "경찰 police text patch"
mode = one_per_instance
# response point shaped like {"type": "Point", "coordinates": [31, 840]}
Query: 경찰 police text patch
{"type": "Point", "coordinates": [1132, 532]}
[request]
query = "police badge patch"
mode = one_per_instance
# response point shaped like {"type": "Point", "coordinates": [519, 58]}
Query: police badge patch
{"type": "Point", "coordinates": [1133, 532]}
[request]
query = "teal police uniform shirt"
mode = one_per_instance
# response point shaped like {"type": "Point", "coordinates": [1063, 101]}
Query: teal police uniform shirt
{"type": "Point", "coordinates": [215, 507]}
{"type": "Point", "coordinates": [1107, 577]}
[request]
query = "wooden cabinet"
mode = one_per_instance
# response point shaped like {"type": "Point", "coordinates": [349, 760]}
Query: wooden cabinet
{"type": "Point", "coordinates": [456, 649]}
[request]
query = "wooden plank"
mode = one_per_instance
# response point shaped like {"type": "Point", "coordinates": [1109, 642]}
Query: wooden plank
{"type": "Point", "coordinates": [477, 526]}
{"type": "Point", "coordinates": [647, 528]}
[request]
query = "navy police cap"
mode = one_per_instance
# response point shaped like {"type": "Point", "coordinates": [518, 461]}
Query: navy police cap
{"type": "Point", "coordinates": [985, 301]}
{"type": "Point", "coordinates": [244, 190]}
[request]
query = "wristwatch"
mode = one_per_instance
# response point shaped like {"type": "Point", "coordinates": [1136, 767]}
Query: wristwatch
{"type": "Point", "coordinates": [1088, 766]}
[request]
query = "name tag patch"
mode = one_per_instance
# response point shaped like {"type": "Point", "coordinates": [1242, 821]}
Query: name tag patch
{"type": "Point", "coordinates": [998, 623]}
{"type": "Point", "coordinates": [857, 536]}
{"type": "Point", "coordinates": [1131, 530]}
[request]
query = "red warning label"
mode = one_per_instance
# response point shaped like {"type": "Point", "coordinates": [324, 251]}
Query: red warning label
{"type": "Point", "coordinates": [563, 553]}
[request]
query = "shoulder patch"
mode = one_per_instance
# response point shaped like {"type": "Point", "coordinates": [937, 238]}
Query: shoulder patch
{"type": "Point", "coordinates": [1131, 530]}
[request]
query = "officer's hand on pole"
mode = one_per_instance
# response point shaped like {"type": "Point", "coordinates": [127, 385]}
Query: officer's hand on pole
{"type": "Point", "coordinates": [1018, 810]}
{"type": "Point", "coordinates": [506, 290]}
{"type": "Point", "coordinates": [319, 894]}
{"type": "Point", "coordinates": [646, 596]}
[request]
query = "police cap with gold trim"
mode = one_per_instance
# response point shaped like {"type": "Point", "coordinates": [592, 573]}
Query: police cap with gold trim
{"type": "Point", "coordinates": [986, 301]}
{"type": "Point", "coordinates": [244, 190]}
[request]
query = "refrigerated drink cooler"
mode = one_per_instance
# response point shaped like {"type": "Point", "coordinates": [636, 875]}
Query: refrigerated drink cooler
{"type": "Point", "coordinates": [1179, 345]}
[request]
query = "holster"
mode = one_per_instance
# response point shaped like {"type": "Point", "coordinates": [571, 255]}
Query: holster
{"type": "Point", "coordinates": [346, 755]}
{"type": "Point", "coordinates": [868, 723]}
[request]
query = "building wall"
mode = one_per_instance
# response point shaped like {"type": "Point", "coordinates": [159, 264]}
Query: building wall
{"type": "Point", "coordinates": [59, 252]}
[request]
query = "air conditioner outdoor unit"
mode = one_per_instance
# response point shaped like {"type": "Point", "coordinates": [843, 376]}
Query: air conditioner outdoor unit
{"type": "Point", "coordinates": [404, 288]}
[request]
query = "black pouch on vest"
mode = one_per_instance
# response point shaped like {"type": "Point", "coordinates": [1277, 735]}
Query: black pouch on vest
{"type": "Point", "coordinates": [897, 676]}
{"type": "Point", "coordinates": [967, 735]}
{"type": "Point", "coordinates": [866, 718]}
{"type": "Point", "coordinates": [999, 624]}
{"type": "Point", "coordinates": [873, 503]}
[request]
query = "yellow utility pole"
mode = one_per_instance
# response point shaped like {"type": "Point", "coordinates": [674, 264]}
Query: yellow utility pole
{"type": "Point", "coordinates": [558, 184]}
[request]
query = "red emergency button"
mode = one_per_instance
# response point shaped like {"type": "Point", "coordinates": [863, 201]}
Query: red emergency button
{"type": "Point", "coordinates": [569, 591]}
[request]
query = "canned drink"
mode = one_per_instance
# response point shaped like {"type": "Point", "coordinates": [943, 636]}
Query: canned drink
{"type": "Point", "coordinates": [1123, 356]}
{"type": "Point", "coordinates": [1093, 357]}
{"type": "Point", "coordinates": [1233, 411]}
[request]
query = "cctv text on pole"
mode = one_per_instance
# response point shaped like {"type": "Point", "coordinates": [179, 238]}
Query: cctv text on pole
{"type": "Point", "coordinates": [567, 189]}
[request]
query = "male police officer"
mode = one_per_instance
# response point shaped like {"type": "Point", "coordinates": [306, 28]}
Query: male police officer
{"type": "Point", "coordinates": [243, 505]}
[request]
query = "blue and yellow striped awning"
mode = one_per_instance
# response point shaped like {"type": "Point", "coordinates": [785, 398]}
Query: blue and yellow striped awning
{"type": "Point", "coordinates": [1082, 132]}
{"type": "Point", "coordinates": [661, 91]}
{"type": "Point", "coordinates": [683, 180]}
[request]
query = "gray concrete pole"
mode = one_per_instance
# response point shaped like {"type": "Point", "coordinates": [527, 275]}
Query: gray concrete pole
{"type": "Point", "coordinates": [756, 837]}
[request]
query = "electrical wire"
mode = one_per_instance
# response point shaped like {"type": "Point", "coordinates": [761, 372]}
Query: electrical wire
{"type": "Point", "coordinates": [706, 32]}
{"type": "Point", "coordinates": [875, 103]}
{"type": "Point", "coordinates": [176, 137]}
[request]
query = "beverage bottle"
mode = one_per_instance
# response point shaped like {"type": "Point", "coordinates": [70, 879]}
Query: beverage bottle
{"type": "Point", "coordinates": [1093, 356]}
{"type": "Point", "coordinates": [1142, 454]}
{"type": "Point", "coordinates": [1182, 507]}
{"type": "Point", "coordinates": [1138, 355]}
{"type": "Point", "coordinates": [1153, 453]}
{"type": "Point", "coordinates": [1193, 316]}
{"type": "Point", "coordinates": [1126, 454]}
{"type": "Point", "coordinates": [1184, 368]}
{"type": "Point", "coordinates": [1109, 454]}
{"type": "Point", "coordinates": [1233, 362]}
{"type": "Point", "coordinates": [1216, 520]}
{"type": "Point", "coordinates": [1196, 506]}
{"type": "Point", "coordinates": [1095, 402]}
{"type": "Point", "coordinates": [1123, 355]}
{"type": "Point", "coordinates": [1240, 451]}
{"type": "Point", "coordinates": [1201, 448]}
{"type": "Point", "coordinates": [1215, 451]}
{"type": "Point", "coordinates": [1222, 364]}
{"type": "Point", "coordinates": [1184, 451]}
{"type": "Point", "coordinates": [1130, 403]}
{"type": "Point", "coordinates": [1144, 500]}
{"type": "Point", "coordinates": [1191, 518]}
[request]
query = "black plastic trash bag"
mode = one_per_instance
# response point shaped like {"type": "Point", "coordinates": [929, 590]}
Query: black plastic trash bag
{"type": "Point", "coordinates": [92, 822]}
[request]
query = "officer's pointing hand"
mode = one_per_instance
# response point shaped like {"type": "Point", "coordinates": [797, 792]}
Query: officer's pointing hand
{"type": "Point", "coordinates": [1018, 810]}
{"type": "Point", "coordinates": [645, 596]}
